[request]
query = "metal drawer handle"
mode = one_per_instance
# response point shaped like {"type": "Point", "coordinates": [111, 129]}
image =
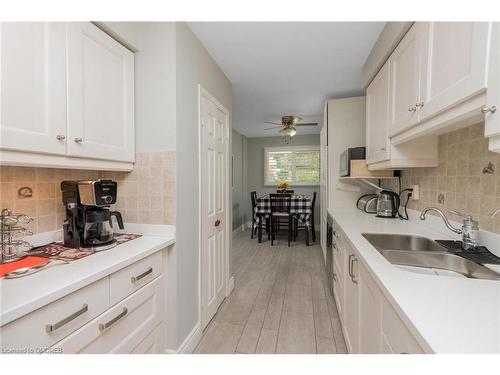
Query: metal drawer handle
{"type": "Point", "coordinates": [353, 276]}
{"type": "Point", "coordinates": [142, 275]}
{"type": "Point", "coordinates": [60, 137]}
{"type": "Point", "coordinates": [78, 140]}
{"type": "Point", "coordinates": [350, 265]}
{"type": "Point", "coordinates": [105, 326]}
{"type": "Point", "coordinates": [334, 276]}
{"type": "Point", "coordinates": [52, 327]}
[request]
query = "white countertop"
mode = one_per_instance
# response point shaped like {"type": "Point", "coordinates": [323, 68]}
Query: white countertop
{"type": "Point", "coordinates": [446, 314]}
{"type": "Point", "coordinates": [23, 295]}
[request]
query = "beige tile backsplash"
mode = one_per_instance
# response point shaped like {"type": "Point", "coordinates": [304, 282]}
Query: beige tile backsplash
{"type": "Point", "coordinates": [461, 177]}
{"type": "Point", "coordinates": [145, 195]}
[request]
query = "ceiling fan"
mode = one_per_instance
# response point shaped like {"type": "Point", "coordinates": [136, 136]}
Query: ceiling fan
{"type": "Point", "coordinates": [288, 125]}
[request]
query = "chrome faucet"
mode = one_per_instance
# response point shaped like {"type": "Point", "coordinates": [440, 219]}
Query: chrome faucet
{"type": "Point", "coordinates": [469, 230]}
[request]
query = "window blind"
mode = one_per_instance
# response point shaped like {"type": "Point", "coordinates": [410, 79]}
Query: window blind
{"type": "Point", "coordinates": [297, 165]}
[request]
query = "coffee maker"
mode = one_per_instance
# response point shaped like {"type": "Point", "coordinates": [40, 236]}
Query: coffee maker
{"type": "Point", "coordinates": [88, 217]}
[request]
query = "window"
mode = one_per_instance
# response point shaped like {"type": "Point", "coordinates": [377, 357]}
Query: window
{"type": "Point", "coordinates": [299, 165]}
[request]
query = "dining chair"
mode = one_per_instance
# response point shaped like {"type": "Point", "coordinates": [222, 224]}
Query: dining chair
{"type": "Point", "coordinates": [299, 226]}
{"type": "Point", "coordinates": [280, 209]}
{"type": "Point", "coordinates": [253, 197]}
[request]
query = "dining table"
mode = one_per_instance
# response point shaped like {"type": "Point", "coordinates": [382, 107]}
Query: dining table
{"type": "Point", "coordinates": [300, 207]}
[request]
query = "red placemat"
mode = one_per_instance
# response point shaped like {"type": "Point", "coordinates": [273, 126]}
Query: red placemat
{"type": "Point", "coordinates": [29, 261]}
{"type": "Point", "coordinates": [58, 251]}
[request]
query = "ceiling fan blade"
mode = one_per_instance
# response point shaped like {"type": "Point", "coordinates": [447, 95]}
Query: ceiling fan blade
{"type": "Point", "coordinates": [307, 124]}
{"type": "Point", "coordinates": [274, 123]}
{"type": "Point", "coordinates": [274, 127]}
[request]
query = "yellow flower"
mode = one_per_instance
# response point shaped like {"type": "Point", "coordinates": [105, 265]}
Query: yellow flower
{"type": "Point", "coordinates": [282, 184]}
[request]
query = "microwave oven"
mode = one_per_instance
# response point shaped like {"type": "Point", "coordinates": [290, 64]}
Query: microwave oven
{"type": "Point", "coordinates": [353, 153]}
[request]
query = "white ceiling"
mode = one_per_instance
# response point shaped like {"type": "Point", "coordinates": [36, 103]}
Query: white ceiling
{"type": "Point", "coordinates": [281, 68]}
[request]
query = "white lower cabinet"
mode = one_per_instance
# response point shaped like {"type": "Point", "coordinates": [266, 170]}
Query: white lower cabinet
{"type": "Point", "coordinates": [397, 339]}
{"type": "Point", "coordinates": [351, 303]}
{"type": "Point", "coordinates": [152, 344]}
{"type": "Point", "coordinates": [120, 313]}
{"type": "Point", "coordinates": [370, 313]}
{"type": "Point", "coordinates": [51, 323]}
{"type": "Point", "coordinates": [123, 327]}
{"type": "Point", "coordinates": [370, 324]}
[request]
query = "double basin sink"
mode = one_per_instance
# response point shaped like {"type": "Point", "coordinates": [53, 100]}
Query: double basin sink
{"type": "Point", "coordinates": [417, 251]}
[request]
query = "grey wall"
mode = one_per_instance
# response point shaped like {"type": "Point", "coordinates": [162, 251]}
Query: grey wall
{"type": "Point", "coordinates": [194, 66]}
{"type": "Point", "coordinates": [255, 168]}
{"type": "Point", "coordinates": [238, 179]}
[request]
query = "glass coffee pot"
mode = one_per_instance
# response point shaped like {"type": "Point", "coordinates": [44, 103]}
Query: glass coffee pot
{"type": "Point", "coordinates": [98, 231]}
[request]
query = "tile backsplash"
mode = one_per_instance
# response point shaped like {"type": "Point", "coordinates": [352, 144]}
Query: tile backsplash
{"type": "Point", "coordinates": [145, 195]}
{"type": "Point", "coordinates": [467, 178]}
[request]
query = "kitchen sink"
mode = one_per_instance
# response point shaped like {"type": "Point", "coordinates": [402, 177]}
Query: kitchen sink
{"type": "Point", "coordinates": [417, 251]}
{"type": "Point", "coordinates": [402, 242]}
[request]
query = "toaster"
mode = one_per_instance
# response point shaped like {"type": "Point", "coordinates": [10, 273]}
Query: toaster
{"type": "Point", "coordinates": [367, 203]}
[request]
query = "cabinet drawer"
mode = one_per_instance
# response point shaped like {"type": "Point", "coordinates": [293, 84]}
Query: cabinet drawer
{"type": "Point", "coordinates": [152, 344]}
{"type": "Point", "coordinates": [135, 276]}
{"type": "Point", "coordinates": [51, 323]}
{"type": "Point", "coordinates": [123, 327]}
{"type": "Point", "coordinates": [397, 338]}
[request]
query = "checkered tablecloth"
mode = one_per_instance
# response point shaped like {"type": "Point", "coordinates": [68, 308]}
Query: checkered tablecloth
{"type": "Point", "coordinates": [300, 206]}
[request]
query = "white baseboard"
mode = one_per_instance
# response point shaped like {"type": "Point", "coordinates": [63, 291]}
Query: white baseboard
{"type": "Point", "coordinates": [230, 286]}
{"type": "Point", "coordinates": [239, 229]}
{"type": "Point", "coordinates": [189, 344]}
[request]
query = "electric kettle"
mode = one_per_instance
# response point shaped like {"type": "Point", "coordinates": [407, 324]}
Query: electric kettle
{"type": "Point", "coordinates": [388, 204]}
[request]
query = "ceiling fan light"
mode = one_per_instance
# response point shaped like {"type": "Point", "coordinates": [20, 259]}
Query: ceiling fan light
{"type": "Point", "coordinates": [288, 131]}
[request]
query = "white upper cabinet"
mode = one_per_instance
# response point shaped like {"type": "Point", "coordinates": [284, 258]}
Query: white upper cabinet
{"type": "Point", "coordinates": [405, 68]}
{"type": "Point", "coordinates": [491, 109]}
{"type": "Point", "coordinates": [454, 63]}
{"type": "Point", "coordinates": [377, 116]}
{"type": "Point", "coordinates": [100, 95]}
{"type": "Point", "coordinates": [33, 87]}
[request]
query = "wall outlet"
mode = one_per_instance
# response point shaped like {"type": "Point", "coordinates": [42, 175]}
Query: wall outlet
{"type": "Point", "coordinates": [415, 195]}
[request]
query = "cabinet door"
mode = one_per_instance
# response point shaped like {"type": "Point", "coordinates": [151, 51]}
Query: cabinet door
{"type": "Point", "coordinates": [351, 304]}
{"type": "Point", "coordinates": [454, 63]}
{"type": "Point", "coordinates": [492, 119]}
{"type": "Point", "coordinates": [100, 95]}
{"type": "Point", "coordinates": [33, 87]}
{"type": "Point", "coordinates": [405, 65]}
{"type": "Point", "coordinates": [377, 117]}
{"type": "Point", "coordinates": [370, 314]}
{"type": "Point", "coordinates": [396, 338]}
{"type": "Point", "coordinates": [339, 278]}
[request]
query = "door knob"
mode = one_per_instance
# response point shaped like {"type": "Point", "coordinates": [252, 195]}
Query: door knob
{"type": "Point", "coordinates": [78, 140]}
{"type": "Point", "coordinates": [217, 223]}
{"type": "Point", "coordinates": [419, 105]}
{"type": "Point", "coordinates": [412, 109]}
{"type": "Point", "coordinates": [488, 108]}
{"type": "Point", "coordinates": [60, 137]}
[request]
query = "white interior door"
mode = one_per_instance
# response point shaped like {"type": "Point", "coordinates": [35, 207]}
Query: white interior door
{"type": "Point", "coordinates": [214, 136]}
{"type": "Point", "coordinates": [100, 95]}
{"type": "Point", "coordinates": [33, 87]}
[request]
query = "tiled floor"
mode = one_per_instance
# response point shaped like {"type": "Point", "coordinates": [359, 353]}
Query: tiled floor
{"type": "Point", "coordinates": [280, 303]}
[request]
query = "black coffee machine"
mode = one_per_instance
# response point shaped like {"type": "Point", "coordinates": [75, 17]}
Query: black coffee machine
{"type": "Point", "coordinates": [88, 218]}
